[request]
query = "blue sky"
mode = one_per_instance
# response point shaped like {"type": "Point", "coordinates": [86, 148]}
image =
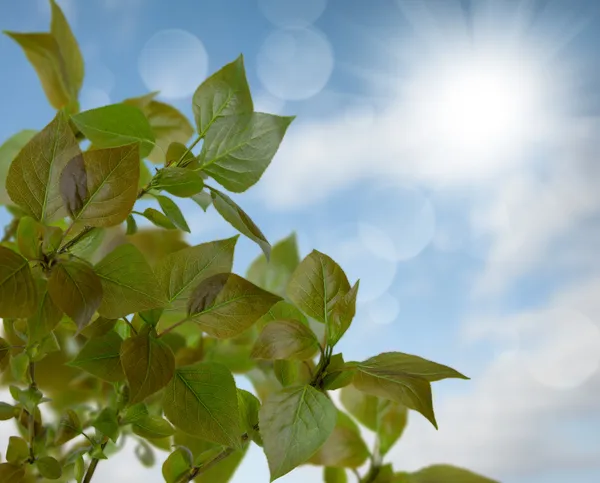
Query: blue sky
{"type": "Point", "coordinates": [445, 152]}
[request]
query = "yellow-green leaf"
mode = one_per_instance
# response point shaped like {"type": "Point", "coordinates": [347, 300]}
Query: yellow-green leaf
{"type": "Point", "coordinates": [12, 473]}
{"type": "Point", "coordinates": [148, 363]}
{"type": "Point", "coordinates": [447, 474]}
{"type": "Point", "coordinates": [49, 467]}
{"type": "Point", "coordinates": [391, 421]}
{"type": "Point", "coordinates": [8, 151]}
{"type": "Point", "coordinates": [34, 175]}
{"type": "Point", "coordinates": [334, 475]}
{"type": "Point", "coordinates": [225, 305]}
{"type": "Point", "coordinates": [153, 427]}
{"type": "Point", "coordinates": [17, 450]}
{"type": "Point", "coordinates": [341, 316]}
{"type": "Point", "coordinates": [76, 290]}
{"type": "Point", "coordinates": [158, 219]}
{"type": "Point", "coordinates": [201, 400]}
{"type": "Point", "coordinates": [46, 317]}
{"type": "Point", "coordinates": [107, 423]}
{"type": "Point", "coordinates": [177, 465]}
{"type": "Point", "coordinates": [173, 213]}
{"type": "Point", "coordinates": [18, 294]}
{"type": "Point", "coordinates": [285, 339]}
{"type": "Point", "coordinates": [360, 405]}
{"type": "Point", "coordinates": [294, 423]}
{"type": "Point", "coordinates": [129, 284]}
{"type": "Point", "coordinates": [101, 357]}
{"type": "Point", "coordinates": [181, 182]}
{"type": "Point", "coordinates": [68, 427]}
{"type": "Point", "coordinates": [100, 187]}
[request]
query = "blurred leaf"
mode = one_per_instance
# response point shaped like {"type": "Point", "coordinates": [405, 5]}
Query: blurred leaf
{"type": "Point", "coordinates": [46, 155]}
{"type": "Point", "coordinates": [335, 475]}
{"type": "Point", "coordinates": [181, 182]}
{"type": "Point", "coordinates": [17, 450]}
{"type": "Point", "coordinates": [101, 357]}
{"type": "Point", "coordinates": [18, 366]}
{"type": "Point", "coordinates": [238, 218]}
{"type": "Point", "coordinates": [148, 363]}
{"type": "Point", "coordinates": [341, 316]}
{"type": "Point", "coordinates": [392, 419]}
{"type": "Point", "coordinates": [68, 427]}
{"type": "Point", "coordinates": [177, 464]}
{"type": "Point", "coordinates": [12, 473]}
{"type": "Point", "coordinates": [101, 187]}
{"type": "Point", "coordinates": [224, 470]}
{"type": "Point", "coordinates": [18, 295]}
{"type": "Point", "coordinates": [294, 423]}
{"type": "Point", "coordinates": [76, 290]}
{"type": "Point", "coordinates": [362, 406]}
{"type": "Point", "coordinates": [107, 423]}
{"type": "Point", "coordinates": [8, 151]}
{"type": "Point", "coordinates": [285, 339]}
{"type": "Point", "coordinates": [144, 454]}
{"type": "Point", "coordinates": [116, 125]}
{"type": "Point", "coordinates": [446, 474]}
{"type": "Point", "coordinates": [225, 305]}
{"type": "Point", "coordinates": [157, 244]}
{"type": "Point", "coordinates": [237, 151]}
{"type": "Point", "coordinates": [128, 283]}
{"type": "Point", "coordinates": [173, 212]}
{"type": "Point", "coordinates": [201, 400]}
{"type": "Point", "coordinates": [49, 467]}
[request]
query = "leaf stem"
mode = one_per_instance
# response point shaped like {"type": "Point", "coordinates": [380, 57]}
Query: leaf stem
{"type": "Point", "coordinates": [75, 240]}
{"type": "Point", "coordinates": [187, 151]}
{"type": "Point", "coordinates": [93, 464]}
{"type": "Point", "coordinates": [174, 326]}
{"type": "Point", "coordinates": [31, 419]}
{"type": "Point", "coordinates": [198, 470]}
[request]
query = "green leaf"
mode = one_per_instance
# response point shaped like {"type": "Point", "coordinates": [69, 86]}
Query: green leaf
{"type": "Point", "coordinates": [447, 474]}
{"type": "Point", "coordinates": [202, 199]}
{"type": "Point", "coordinates": [249, 406]}
{"type": "Point", "coordinates": [30, 236]}
{"type": "Point", "coordinates": [101, 357]}
{"type": "Point", "coordinates": [294, 423]}
{"type": "Point", "coordinates": [176, 466]}
{"type": "Point", "coordinates": [136, 412]}
{"type": "Point", "coordinates": [4, 354]}
{"type": "Point", "coordinates": [224, 470]}
{"type": "Point", "coordinates": [224, 94]}
{"type": "Point", "coordinates": [107, 423]}
{"type": "Point", "coordinates": [158, 219]}
{"type": "Point", "coordinates": [237, 151]}
{"type": "Point", "coordinates": [116, 125]}
{"type": "Point", "coordinates": [167, 123]}
{"type": "Point", "coordinates": [18, 294]}
{"type": "Point", "coordinates": [238, 218]}
{"type": "Point", "coordinates": [144, 454]}
{"type": "Point", "coordinates": [341, 316]}
{"type": "Point", "coordinates": [180, 272]}
{"type": "Point", "coordinates": [8, 151]}
{"type": "Point", "coordinates": [100, 187]}
{"type": "Point", "coordinates": [179, 155]}
{"type": "Point", "coordinates": [19, 365]}
{"type": "Point", "coordinates": [68, 427]}
{"type": "Point", "coordinates": [76, 290]}
{"type": "Point", "coordinates": [33, 177]}
{"type": "Point", "coordinates": [337, 374]}
{"type": "Point", "coordinates": [201, 400]}
{"type": "Point", "coordinates": [316, 285]}
{"type": "Point", "coordinates": [274, 274]}
{"type": "Point", "coordinates": [344, 448]}
{"type": "Point", "coordinates": [363, 407]}
{"type": "Point", "coordinates": [129, 284]}
{"type": "Point", "coordinates": [100, 326]}
{"type": "Point", "coordinates": [12, 473]}
{"type": "Point", "coordinates": [131, 225]}
{"type": "Point", "coordinates": [153, 427]}
{"type": "Point", "coordinates": [173, 212]}
{"type": "Point", "coordinates": [7, 411]}
{"type": "Point", "coordinates": [49, 467]}
{"type": "Point", "coordinates": [282, 310]}
{"type": "Point", "coordinates": [286, 372]}
{"type": "Point", "coordinates": [403, 378]}
{"type": "Point", "coordinates": [17, 450]}
{"type": "Point", "coordinates": [285, 339]}
{"type": "Point", "coordinates": [225, 305]}
{"type": "Point", "coordinates": [43, 51]}
{"type": "Point", "coordinates": [148, 363]}
{"type": "Point", "coordinates": [335, 475]}
{"type": "Point", "coordinates": [391, 421]}
{"type": "Point", "coordinates": [181, 182]}
{"type": "Point", "coordinates": [69, 49]}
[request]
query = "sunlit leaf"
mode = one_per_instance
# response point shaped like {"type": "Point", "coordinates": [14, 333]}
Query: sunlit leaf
{"type": "Point", "coordinates": [8, 151]}
{"type": "Point", "coordinates": [285, 339]}
{"type": "Point", "coordinates": [181, 182]}
{"type": "Point", "coordinates": [18, 294]}
{"type": "Point", "coordinates": [101, 357]}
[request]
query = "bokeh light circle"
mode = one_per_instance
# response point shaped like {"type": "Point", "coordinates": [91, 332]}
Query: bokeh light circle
{"type": "Point", "coordinates": [92, 98]}
{"type": "Point", "coordinates": [383, 310]}
{"type": "Point", "coordinates": [173, 62]}
{"type": "Point", "coordinates": [292, 13]}
{"type": "Point", "coordinates": [295, 64]}
{"type": "Point", "coordinates": [400, 214]}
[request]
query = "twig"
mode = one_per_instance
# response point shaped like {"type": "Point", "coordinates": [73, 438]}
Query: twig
{"type": "Point", "coordinates": [174, 326]}
{"type": "Point", "coordinates": [93, 464]}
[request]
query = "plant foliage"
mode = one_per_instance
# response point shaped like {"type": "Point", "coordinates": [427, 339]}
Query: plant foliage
{"type": "Point", "coordinates": [128, 334]}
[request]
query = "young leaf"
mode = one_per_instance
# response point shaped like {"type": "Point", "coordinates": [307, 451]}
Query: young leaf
{"type": "Point", "coordinates": [101, 187]}
{"type": "Point", "coordinates": [43, 51]}
{"type": "Point", "coordinates": [225, 93]}
{"type": "Point", "coordinates": [274, 274]}
{"type": "Point", "coordinates": [335, 475]}
{"type": "Point", "coordinates": [19, 365]}
{"type": "Point", "coordinates": [128, 283]}
{"type": "Point", "coordinates": [17, 450]}
{"type": "Point", "coordinates": [391, 421]}
{"type": "Point", "coordinates": [173, 212]}
{"type": "Point", "coordinates": [33, 177]}
{"type": "Point", "coordinates": [46, 317]}
{"type": "Point", "coordinates": [181, 182]}
{"type": "Point", "coordinates": [225, 305]}
{"type": "Point", "coordinates": [202, 199]}
{"type": "Point", "coordinates": [148, 363]}
{"type": "Point", "coordinates": [238, 218]}
{"type": "Point", "coordinates": [178, 154]}
{"type": "Point", "coordinates": [282, 310]}
{"type": "Point", "coordinates": [18, 293]}
{"type": "Point", "coordinates": [158, 219]}
{"type": "Point", "coordinates": [344, 448]}
{"type": "Point", "coordinates": [68, 427]}
{"type": "Point", "coordinates": [249, 407]}
{"type": "Point", "coordinates": [403, 378]}
{"type": "Point", "coordinates": [341, 316]}
{"type": "Point", "coordinates": [316, 285]}
{"type": "Point", "coordinates": [101, 357]}
{"type": "Point", "coordinates": [167, 123]}
{"type": "Point", "coordinates": [294, 423]}
{"type": "Point", "coordinates": [76, 290]}
{"type": "Point", "coordinates": [107, 423]}
{"type": "Point", "coordinates": [446, 474]}
{"type": "Point", "coordinates": [131, 225]}
{"type": "Point", "coordinates": [201, 400]}
{"type": "Point", "coordinates": [181, 271]}
{"type": "Point", "coordinates": [153, 427]}
{"type": "Point", "coordinates": [49, 467]}
{"type": "Point", "coordinates": [237, 151]}
{"type": "Point", "coordinates": [116, 125]}
{"type": "Point", "coordinates": [177, 465]}
{"type": "Point", "coordinates": [285, 339]}
{"type": "Point", "coordinates": [8, 151]}
{"type": "Point", "coordinates": [7, 411]}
